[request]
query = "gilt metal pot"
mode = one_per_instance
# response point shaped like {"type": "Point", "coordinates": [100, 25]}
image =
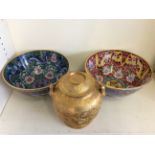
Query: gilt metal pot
{"type": "Point", "coordinates": [77, 98]}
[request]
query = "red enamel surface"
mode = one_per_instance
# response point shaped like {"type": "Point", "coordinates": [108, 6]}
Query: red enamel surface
{"type": "Point", "coordinates": [119, 69]}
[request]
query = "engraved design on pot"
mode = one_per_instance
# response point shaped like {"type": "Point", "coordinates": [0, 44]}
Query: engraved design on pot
{"type": "Point", "coordinates": [77, 98]}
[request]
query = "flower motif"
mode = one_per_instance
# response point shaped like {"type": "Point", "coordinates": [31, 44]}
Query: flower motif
{"type": "Point", "coordinates": [107, 56]}
{"type": "Point", "coordinates": [49, 75]}
{"type": "Point", "coordinates": [29, 79]}
{"type": "Point", "coordinates": [91, 64]}
{"type": "Point", "coordinates": [118, 74]}
{"type": "Point", "coordinates": [106, 70]}
{"type": "Point", "coordinates": [130, 78]}
{"type": "Point", "coordinates": [38, 70]}
{"type": "Point", "coordinates": [17, 84]}
{"type": "Point", "coordinates": [99, 78]}
{"type": "Point", "coordinates": [53, 58]}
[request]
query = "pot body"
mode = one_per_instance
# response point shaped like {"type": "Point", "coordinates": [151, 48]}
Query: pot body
{"type": "Point", "coordinates": [79, 111]}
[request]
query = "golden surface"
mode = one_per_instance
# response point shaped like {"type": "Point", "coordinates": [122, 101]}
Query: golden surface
{"type": "Point", "coordinates": [77, 98]}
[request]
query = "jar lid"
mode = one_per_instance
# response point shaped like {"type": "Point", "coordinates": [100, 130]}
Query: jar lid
{"type": "Point", "coordinates": [76, 84]}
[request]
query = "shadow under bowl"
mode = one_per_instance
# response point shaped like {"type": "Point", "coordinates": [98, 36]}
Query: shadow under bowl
{"type": "Point", "coordinates": [32, 72]}
{"type": "Point", "coordinates": [120, 71]}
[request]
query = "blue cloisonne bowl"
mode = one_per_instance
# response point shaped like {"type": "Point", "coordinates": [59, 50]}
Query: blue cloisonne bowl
{"type": "Point", "coordinates": [120, 71]}
{"type": "Point", "coordinates": [34, 71]}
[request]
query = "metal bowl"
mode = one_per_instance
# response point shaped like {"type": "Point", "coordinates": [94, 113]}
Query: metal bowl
{"type": "Point", "coordinates": [33, 72]}
{"type": "Point", "coordinates": [120, 71]}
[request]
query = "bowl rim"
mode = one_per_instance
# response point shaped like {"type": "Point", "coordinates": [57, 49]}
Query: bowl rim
{"type": "Point", "coordinates": [23, 53]}
{"type": "Point", "coordinates": [121, 50]}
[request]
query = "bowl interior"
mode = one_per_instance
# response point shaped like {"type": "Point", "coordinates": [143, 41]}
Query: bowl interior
{"type": "Point", "coordinates": [118, 69]}
{"type": "Point", "coordinates": [35, 69]}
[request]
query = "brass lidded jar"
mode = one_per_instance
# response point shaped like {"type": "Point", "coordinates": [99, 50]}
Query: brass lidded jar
{"type": "Point", "coordinates": [77, 98]}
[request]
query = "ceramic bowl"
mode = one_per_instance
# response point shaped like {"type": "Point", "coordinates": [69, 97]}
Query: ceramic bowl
{"type": "Point", "coordinates": [34, 71]}
{"type": "Point", "coordinates": [120, 71]}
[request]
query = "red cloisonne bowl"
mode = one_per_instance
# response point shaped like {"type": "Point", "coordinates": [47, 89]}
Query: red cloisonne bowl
{"type": "Point", "coordinates": [120, 71]}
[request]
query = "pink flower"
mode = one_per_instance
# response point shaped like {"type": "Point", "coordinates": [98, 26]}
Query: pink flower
{"type": "Point", "coordinates": [107, 57]}
{"type": "Point", "coordinates": [130, 78]}
{"type": "Point", "coordinates": [106, 70]}
{"type": "Point", "coordinates": [38, 70]}
{"type": "Point", "coordinates": [29, 79]}
{"type": "Point", "coordinates": [53, 58]}
{"type": "Point", "coordinates": [17, 84]}
{"type": "Point", "coordinates": [91, 64]}
{"type": "Point", "coordinates": [99, 78]}
{"type": "Point", "coordinates": [118, 74]}
{"type": "Point", "coordinates": [49, 75]}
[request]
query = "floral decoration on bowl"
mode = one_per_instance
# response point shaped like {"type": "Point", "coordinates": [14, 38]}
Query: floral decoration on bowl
{"type": "Point", "coordinates": [120, 71]}
{"type": "Point", "coordinates": [34, 71]}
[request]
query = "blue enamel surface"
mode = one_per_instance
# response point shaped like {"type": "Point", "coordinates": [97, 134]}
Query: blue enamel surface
{"type": "Point", "coordinates": [35, 69]}
{"type": "Point", "coordinates": [116, 92]}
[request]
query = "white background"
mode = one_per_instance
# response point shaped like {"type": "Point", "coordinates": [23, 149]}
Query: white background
{"type": "Point", "coordinates": [6, 51]}
{"type": "Point", "coordinates": [79, 38]}
{"type": "Point", "coordinates": [6, 46]}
